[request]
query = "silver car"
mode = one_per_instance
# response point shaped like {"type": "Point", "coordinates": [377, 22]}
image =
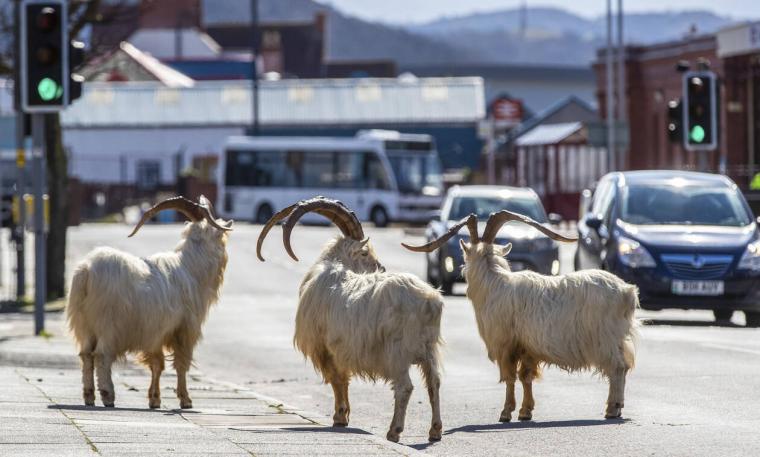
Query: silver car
{"type": "Point", "coordinates": [531, 249]}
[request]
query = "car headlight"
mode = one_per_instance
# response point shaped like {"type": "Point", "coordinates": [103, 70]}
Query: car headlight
{"type": "Point", "coordinates": [751, 258]}
{"type": "Point", "coordinates": [633, 254]}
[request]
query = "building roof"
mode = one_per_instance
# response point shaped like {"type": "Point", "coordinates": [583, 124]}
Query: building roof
{"type": "Point", "coordinates": [282, 103]}
{"type": "Point", "coordinates": [163, 73]}
{"type": "Point", "coordinates": [549, 134]}
{"type": "Point", "coordinates": [187, 43]}
{"type": "Point", "coordinates": [508, 71]}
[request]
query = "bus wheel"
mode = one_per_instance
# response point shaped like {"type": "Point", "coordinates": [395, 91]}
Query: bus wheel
{"type": "Point", "coordinates": [264, 213]}
{"type": "Point", "coordinates": [379, 216]}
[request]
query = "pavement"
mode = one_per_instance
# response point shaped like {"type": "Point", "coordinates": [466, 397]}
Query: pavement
{"type": "Point", "coordinates": [42, 413]}
{"type": "Point", "coordinates": [692, 393]}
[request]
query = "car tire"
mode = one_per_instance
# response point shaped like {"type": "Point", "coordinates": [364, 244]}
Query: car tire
{"type": "Point", "coordinates": [576, 262]}
{"type": "Point", "coordinates": [447, 287]}
{"type": "Point", "coordinates": [264, 213]}
{"type": "Point", "coordinates": [723, 315]}
{"type": "Point", "coordinates": [379, 216]}
{"type": "Point", "coordinates": [430, 279]}
{"type": "Point", "coordinates": [752, 318]}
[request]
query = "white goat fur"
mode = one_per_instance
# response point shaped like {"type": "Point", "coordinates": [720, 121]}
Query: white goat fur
{"type": "Point", "coordinates": [120, 303]}
{"type": "Point", "coordinates": [353, 319]}
{"type": "Point", "coordinates": [583, 320]}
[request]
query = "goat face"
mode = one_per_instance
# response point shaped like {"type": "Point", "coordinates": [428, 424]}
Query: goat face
{"type": "Point", "coordinates": [489, 252]}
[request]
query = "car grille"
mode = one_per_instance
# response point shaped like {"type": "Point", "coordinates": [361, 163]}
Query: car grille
{"type": "Point", "coordinates": [697, 266]}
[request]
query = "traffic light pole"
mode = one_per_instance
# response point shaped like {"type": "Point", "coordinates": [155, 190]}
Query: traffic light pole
{"type": "Point", "coordinates": [21, 223]}
{"type": "Point", "coordinates": [38, 178]}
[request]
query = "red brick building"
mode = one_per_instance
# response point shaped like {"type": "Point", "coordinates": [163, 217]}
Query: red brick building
{"type": "Point", "coordinates": [653, 80]}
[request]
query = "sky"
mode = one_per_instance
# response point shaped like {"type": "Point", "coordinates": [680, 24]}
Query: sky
{"type": "Point", "coordinates": [411, 11]}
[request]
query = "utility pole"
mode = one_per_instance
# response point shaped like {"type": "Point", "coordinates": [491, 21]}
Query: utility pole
{"type": "Point", "coordinates": [610, 92]}
{"type": "Point", "coordinates": [20, 228]}
{"type": "Point", "coordinates": [621, 100]}
{"type": "Point", "coordinates": [38, 178]}
{"type": "Point", "coordinates": [254, 66]}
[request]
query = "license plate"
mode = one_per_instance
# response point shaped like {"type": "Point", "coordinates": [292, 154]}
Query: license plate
{"type": "Point", "coordinates": [697, 287]}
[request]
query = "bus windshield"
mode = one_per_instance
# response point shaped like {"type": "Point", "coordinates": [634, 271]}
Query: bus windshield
{"type": "Point", "coordinates": [417, 173]}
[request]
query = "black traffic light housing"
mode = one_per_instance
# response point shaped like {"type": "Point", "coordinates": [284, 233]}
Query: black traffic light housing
{"type": "Point", "coordinates": [76, 59]}
{"type": "Point", "coordinates": [700, 111]}
{"type": "Point", "coordinates": [44, 52]}
{"type": "Point", "coordinates": [675, 119]}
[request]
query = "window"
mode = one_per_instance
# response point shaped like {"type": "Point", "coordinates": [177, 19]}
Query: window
{"type": "Point", "coordinates": [148, 174]}
{"type": "Point", "coordinates": [375, 176]}
{"type": "Point", "coordinates": [318, 170]}
{"type": "Point", "coordinates": [348, 170]}
{"type": "Point", "coordinates": [240, 169]}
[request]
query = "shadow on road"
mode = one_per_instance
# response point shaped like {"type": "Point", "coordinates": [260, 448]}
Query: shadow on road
{"type": "Point", "coordinates": [349, 430]}
{"type": "Point", "coordinates": [168, 412]}
{"type": "Point", "coordinates": [531, 424]}
{"type": "Point", "coordinates": [690, 323]}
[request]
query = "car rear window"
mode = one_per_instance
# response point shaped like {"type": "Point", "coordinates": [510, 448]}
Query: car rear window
{"type": "Point", "coordinates": [683, 205]}
{"type": "Point", "coordinates": [484, 206]}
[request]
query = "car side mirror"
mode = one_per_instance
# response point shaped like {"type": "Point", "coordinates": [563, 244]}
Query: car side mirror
{"type": "Point", "coordinates": [555, 218]}
{"type": "Point", "coordinates": [594, 221]}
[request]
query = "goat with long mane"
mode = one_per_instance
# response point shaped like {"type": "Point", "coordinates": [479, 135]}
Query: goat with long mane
{"type": "Point", "coordinates": [580, 321]}
{"type": "Point", "coordinates": [355, 319]}
{"type": "Point", "coordinates": [121, 303]}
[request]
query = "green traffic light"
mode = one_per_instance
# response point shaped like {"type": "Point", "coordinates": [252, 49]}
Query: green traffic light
{"type": "Point", "coordinates": [697, 134]}
{"type": "Point", "coordinates": [49, 90]}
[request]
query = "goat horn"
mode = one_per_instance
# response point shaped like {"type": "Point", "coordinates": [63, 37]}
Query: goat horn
{"type": "Point", "coordinates": [496, 220]}
{"type": "Point", "coordinates": [470, 221]}
{"type": "Point", "coordinates": [333, 210]}
{"type": "Point", "coordinates": [188, 208]}
{"type": "Point", "coordinates": [282, 214]}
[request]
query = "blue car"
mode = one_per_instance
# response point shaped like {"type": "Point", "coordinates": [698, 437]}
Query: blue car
{"type": "Point", "coordinates": [531, 249]}
{"type": "Point", "coordinates": [687, 240]}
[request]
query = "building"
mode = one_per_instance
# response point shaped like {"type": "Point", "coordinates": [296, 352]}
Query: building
{"type": "Point", "coordinates": [127, 141]}
{"type": "Point", "coordinates": [539, 87]}
{"type": "Point", "coordinates": [653, 80]}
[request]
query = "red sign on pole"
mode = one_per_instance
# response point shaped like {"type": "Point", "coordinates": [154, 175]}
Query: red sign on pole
{"type": "Point", "coordinates": [507, 111]}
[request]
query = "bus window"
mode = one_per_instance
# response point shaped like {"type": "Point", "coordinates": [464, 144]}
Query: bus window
{"type": "Point", "coordinates": [318, 169]}
{"type": "Point", "coordinates": [375, 176]}
{"type": "Point", "coordinates": [241, 168]}
{"type": "Point", "coordinates": [270, 169]}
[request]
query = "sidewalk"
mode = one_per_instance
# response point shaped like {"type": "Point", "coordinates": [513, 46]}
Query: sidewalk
{"type": "Point", "coordinates": [42, 413]}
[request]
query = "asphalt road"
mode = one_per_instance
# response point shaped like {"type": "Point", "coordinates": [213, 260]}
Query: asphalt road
{"type": "Point", "coordinates": [693, 392]}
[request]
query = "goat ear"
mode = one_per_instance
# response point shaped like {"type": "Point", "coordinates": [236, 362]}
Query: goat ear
{"type": "Point", "coordinates": [465, 246]}
{"type": "Point", "coordinates": [506, 249]}
{"type": "Point", "coordinates": [228, 224]}
{"type": "Point", "coordinates": [364, 242]}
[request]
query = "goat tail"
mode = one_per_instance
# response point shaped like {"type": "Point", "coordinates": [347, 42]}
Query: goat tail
{"type": "Point", "coordinates": [631, 303]}
{"type": "Point", "coordinates": [75, 306]}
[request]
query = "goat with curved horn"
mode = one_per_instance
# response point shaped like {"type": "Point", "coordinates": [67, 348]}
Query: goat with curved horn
{"type": "Point", "coordinates": [191, 210]}
{"type": "Point", "coordinates": [496, 220]}
{"type": "Point", "coordinates": [471, 221]}
{"type": "Point", "coordinates": [280, 215]}
{"type": "Point", "coordinates": [333, 210]}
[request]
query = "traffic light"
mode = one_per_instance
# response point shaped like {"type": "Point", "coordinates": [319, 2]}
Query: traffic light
{"type": "Point", "coordinates": [44, 69]}
{"type": "Point", "coordinates": [675, 118]}
{"type": "Point", "coordinates": [76, 59]}
{"type": "Point", "coordinates": [700, 111]}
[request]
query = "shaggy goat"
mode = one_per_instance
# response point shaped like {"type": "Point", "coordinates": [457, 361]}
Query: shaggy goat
{"type": "Point", "coordinates": [579, 321]}
{"type": "Point", "coordinates": [120, 303]}
{"type": "Point", "coordinates": [354, 319]}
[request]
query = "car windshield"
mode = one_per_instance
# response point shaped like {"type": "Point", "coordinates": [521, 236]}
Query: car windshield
{"type": "Point", "coordinates": [683, 205]}
{"type": "Point", "coordinates": [484, 206]}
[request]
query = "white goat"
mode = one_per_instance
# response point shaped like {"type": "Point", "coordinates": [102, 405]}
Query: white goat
{"type": "Point", "coordinates": [120, 303]}
{"type": "Point", "coordinates": [354, 319]}
{"type": "Point", "coordinates": [583, 320]}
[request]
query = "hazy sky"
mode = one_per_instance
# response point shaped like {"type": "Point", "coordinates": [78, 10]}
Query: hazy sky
{"type": "Point", "coordinates": [404, 11]}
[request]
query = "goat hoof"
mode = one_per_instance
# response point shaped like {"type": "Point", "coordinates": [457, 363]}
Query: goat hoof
{"type": "Point", "coordinates": [392, 437]}
{"type": "Point", "coordinates": [185, 404]}
{"type": "Point", "coordinates": [341, 423]}
{"type": "Point", "coordinates": [434, 435]}
{"type": "Point", "coordinates": [154, 403]}
{"type": "Point", "coordinates": [505, 418]}
{"type": "Point", "coordinates": [108, 405]}
{"type": "Point", "coordinates": [613, 415]}
{"type": "Point", "coordinates": [525, 417]}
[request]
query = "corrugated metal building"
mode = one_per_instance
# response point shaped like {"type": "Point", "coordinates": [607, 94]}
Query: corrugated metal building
{"type": "Point", "coordinates": [124, 137]}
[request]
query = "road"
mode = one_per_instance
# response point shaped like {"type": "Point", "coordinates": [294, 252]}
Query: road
{"type": "Point", "coordinates": [693, 392]}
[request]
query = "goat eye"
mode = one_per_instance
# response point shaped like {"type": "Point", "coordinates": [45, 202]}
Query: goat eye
{"type": "Point", "coordinates": [365, 253]}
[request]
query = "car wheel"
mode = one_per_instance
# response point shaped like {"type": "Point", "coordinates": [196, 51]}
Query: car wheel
{"type": "Point", "coordinates": [447, 286]}
{"type": "Point", "coordinates": [753, 318]}
{"type": "Point", "coordinates": [379, 216]}
{"type": "Point", "coordinates": [432, 280]}
{"type": "Point", "coordinates": [723, 314]}
{"type": "Point", "coordinates": [264, 213]}
{"type": "Point", "coordinates": [576, 262]}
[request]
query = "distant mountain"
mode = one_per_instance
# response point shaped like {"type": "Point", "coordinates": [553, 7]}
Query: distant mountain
{"type": "Point", "coordinates": [552, 35]}
{"type": "Point", "coordinates": [348, 38]}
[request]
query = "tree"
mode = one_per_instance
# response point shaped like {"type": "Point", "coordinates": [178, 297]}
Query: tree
{"type": "Point", "coordinates": [82, 13]}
